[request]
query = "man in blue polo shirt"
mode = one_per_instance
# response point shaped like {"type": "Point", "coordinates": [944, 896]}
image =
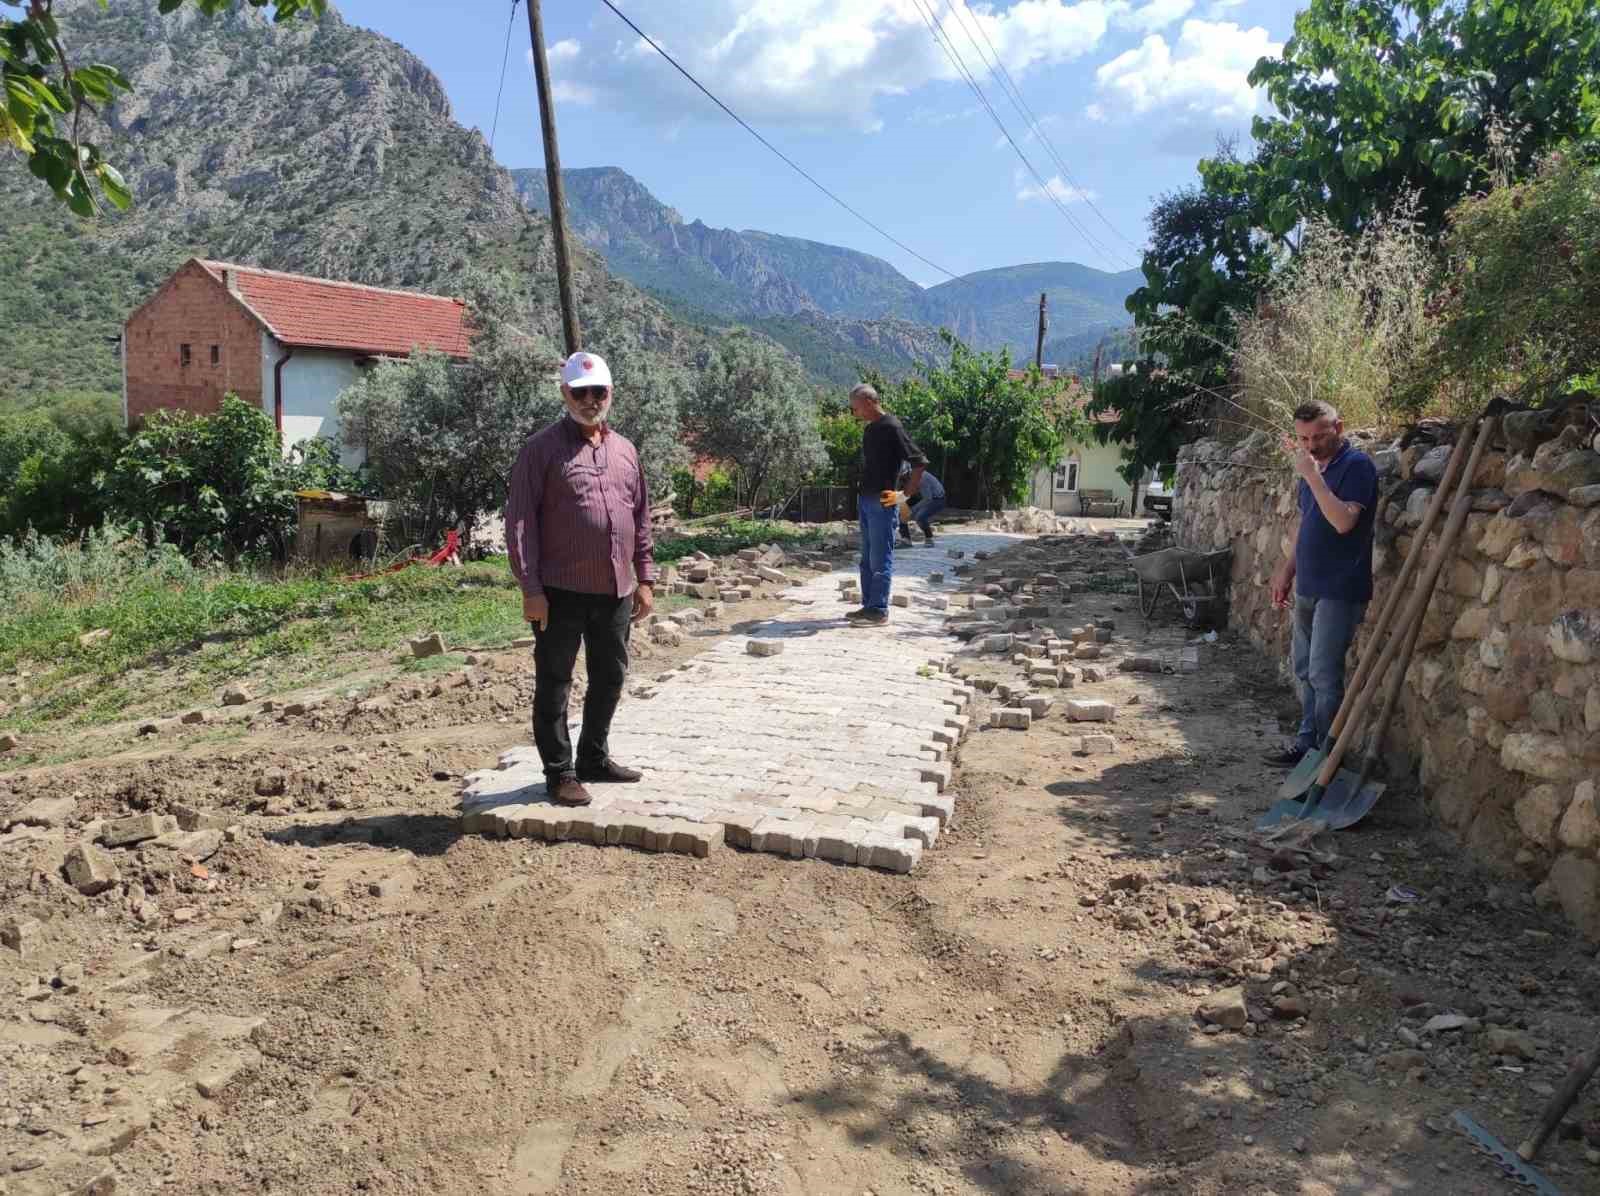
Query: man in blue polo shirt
{"type": "Point", "coordinates": [1329, 574]}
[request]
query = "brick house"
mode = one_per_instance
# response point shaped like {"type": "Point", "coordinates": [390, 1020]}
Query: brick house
{"type": "Point", "coordinates": [287, 343]}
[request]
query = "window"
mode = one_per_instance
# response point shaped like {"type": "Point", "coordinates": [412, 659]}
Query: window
{"type": "Point", "coordinates": [216, 354]}
{"type": "Point", "coordinates": [1066, 479]}
{"type": "Point", "coordinates": [183, 354]}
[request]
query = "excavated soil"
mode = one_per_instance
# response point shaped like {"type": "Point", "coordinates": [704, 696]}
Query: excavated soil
{"type": "Point", "coordinates": [349, 996]}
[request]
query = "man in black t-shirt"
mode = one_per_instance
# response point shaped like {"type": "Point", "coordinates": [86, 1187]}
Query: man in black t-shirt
{"type": "Point", "coordinates": [884, 447]}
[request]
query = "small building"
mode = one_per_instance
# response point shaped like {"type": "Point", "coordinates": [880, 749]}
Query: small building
{"type": "Point", "coordinates": [336, 528]}
{"type": "Point", "coordinates": [288, 343]}
{"type": "Point", "coordinates": [1058, 486]}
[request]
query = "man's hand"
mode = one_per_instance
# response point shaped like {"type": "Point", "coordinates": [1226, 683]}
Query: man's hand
{"type": "Point", "coordinates": [1304, 463]}
{"type": "Point", "coordinates": [644, 600]}
{"type": "Point", "coordinates": [536, 610]}
{"type": "Point", "coordinates": [1282, 585]}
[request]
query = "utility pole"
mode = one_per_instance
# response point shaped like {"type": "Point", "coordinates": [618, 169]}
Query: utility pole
{"type": "Point", "coordinates": [1044, 322]}
{"type": "Point", "coordinates": [552, 170]}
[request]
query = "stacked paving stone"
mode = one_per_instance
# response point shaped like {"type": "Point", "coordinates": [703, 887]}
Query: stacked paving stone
{"type": "Point", "coordinates": [809, 738]}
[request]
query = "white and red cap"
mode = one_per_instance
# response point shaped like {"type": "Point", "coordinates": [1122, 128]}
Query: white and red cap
{"type": "Point", "coordinates": [585, 369]}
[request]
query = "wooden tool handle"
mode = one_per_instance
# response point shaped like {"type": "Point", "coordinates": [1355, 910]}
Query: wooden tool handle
{"type": "Point", "coordinates": [1416, 609]}
{"type": "Point", "coordinates": [1391, 604]}
{"type": "Point", "coordinates": [1391, 699]}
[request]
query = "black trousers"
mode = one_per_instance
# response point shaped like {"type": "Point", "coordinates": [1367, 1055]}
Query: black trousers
{"type": "Point", "coordinates": [600, 622]}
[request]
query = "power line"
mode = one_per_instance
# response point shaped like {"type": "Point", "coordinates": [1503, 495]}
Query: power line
{"type": "Point", "coordinates": [505, 57]}
{"type": "Point", "coordinates": [1014, 93]}
{"type": "Point", "coordinates": [793, 165]}
{"type": "Point", "coordinates": [942, 39]}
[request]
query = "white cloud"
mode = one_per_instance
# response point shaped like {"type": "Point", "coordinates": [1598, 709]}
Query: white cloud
{"type": "Point", "coordinates": [1157, 14]}
{"type": "Point", "coordinates": [822, 62]}
{"type": "Point", "coordinates": [564, 50]}
{"type": "Point", "coordinates": [1197, 88]}
{"type": "Point", "coordinates": [1064, 192]}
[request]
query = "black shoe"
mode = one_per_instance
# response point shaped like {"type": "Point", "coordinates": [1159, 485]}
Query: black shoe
{"type": "Point", "coordinates": [871, 618]}
{"type": "Point", "coordinates": [858, 614]}
{"type": "Point", "coordinates": [927, 533]}
{"type": "Point", "coordinates": [609, 771]}
{"type": "Point", "coordinates": [1287, 758]}
{"type": "Point", "coordinates": [905, 542]}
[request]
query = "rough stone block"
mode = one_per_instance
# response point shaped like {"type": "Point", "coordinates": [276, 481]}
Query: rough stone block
{"type": "Point", "coordinates": [1086, 651]}
{"type": "Point", "coordinates": [1542, 756]}
{"type": "Point", "coordinates": [1016, 718]}
{"type": "Point", "coordinates": [1037, 705]}
{"type": "Point", "coordinates": [937, 774]}
{"type": "Point", "coordinates": [20, 934]}
{"type": "Point", "coordinates": [136, 828]}
{"type": "Point", "coordinates": [1098, 745]}
{"type": "Point", "coordinates": [428, 645]}
{"type": "Point", "coordinates": [43, 811]}
{"type": "Point", "coordinates": [763, 647]}
{"type": "Point", "coordinates": [1090, 711]}
{"type": "Point", "coordinates": [900, 599]}
{"type": "Point", "coordinates": [90, 870]}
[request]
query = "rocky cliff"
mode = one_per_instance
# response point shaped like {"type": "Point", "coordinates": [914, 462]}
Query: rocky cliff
{"type": "Point", "coordinates": [312, 146]}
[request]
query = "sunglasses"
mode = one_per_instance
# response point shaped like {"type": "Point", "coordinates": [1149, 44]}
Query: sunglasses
{"type": "Point", "coordinates": [590, 394]}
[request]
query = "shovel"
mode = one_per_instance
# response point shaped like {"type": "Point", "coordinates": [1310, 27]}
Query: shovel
{"type": "Point", "coordinates": [1339, 788]}
{"type": "Point", "coordinates": [1299, 780]}
{"type": "Point", "coordinates": [1346, 806]}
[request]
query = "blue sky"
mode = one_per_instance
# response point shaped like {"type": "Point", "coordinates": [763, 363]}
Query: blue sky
{"type": "Point", "coordinates": [1130, 93]}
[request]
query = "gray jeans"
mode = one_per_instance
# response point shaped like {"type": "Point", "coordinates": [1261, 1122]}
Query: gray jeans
{"type": "Point", "coordinates": [1323, 631]}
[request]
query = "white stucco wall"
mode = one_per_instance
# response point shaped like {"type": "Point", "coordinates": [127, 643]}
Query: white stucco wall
{"type": "Point", "coordinates": [1097, 470]}
{"type": "Point", "coordinates": [312, 381]}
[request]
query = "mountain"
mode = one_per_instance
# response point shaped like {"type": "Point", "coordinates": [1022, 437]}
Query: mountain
{"type": "Point", "coordinates": [312, 146]}
{"type": "Point", "coordinates": [769, 279]}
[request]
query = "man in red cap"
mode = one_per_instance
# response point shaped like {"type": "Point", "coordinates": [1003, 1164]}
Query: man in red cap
{"type": "Point", "coordinates": [578, 533]}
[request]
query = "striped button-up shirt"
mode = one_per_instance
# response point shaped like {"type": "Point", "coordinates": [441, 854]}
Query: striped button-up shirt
{"type": "Point", "coordinates": [578, 515]}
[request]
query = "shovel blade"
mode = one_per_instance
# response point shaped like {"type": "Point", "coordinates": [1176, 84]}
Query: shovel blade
{"type": "Point", "coordinates": [1288, 808]}
{"type": "Point", "coordinates": [1352, 809]}
{"type": "Point", "coordinates": [1303, 773]}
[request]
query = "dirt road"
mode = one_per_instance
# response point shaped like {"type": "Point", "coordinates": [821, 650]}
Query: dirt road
{"type": "Point", "coordinates": [347, 995]}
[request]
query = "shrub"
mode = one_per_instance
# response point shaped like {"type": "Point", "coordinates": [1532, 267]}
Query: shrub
{"type": "Point", "coordinates": [39, 570]}
{"type": "Point", "coordinates": [1518, 299]}
{"type": "Point", "coordinates": [1345, 323]}
{"type": "Point", "coordinates": [213, 485]}
{"type": "Point", "coordinates": [50, 456]}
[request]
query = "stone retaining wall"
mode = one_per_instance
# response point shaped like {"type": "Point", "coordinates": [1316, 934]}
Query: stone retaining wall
{"type": "Point", "coordinates": [1500, 714]}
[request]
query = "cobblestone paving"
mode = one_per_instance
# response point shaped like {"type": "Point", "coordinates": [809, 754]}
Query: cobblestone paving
{"type": "Point", "coordinates": [803, 737]}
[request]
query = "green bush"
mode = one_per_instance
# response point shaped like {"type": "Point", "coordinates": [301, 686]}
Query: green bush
{"type": "Point", "coordinates": [1519, 301]}
{"type": "Point", "coordinates": [691, 498]}
{"type": "Point", "coordinates": [51, 453]}
{"type": "Point", "coordinates": [213, 485]}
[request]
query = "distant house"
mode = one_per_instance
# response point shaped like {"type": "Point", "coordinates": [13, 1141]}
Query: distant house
{"type": "Point", "coordinates": [287, 343]}
{"type": "Point", "coordinates": [1058, 485]}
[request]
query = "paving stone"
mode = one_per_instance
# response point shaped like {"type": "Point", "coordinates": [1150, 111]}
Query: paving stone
{"type": "Point", "coordinates": [763, 647]}
{"type": "Point", "coordinates": [1097, 745]}
{"type": "Point", "coordinates": [851, 764]}
{"type": "Point", "coordinates": [43, 811]}
{"type": "Point", "coordinates": [1090, 711]}
{"type": "Point", "coordinates": [1016, 718]}
{"type": "Point", "coordinates": [427, 645]}
{"type": "Point", "coordinates": [90, 869]}
{"type": "Point", "coordinates": [136, 828]}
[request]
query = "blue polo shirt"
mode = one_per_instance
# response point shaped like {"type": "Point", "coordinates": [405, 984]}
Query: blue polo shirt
{"type": "Point", "coordinates": [1327, 564]}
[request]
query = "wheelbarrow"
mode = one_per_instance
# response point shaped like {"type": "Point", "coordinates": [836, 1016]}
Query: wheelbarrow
{"type": "Point", "coordinates": [1195, 580]}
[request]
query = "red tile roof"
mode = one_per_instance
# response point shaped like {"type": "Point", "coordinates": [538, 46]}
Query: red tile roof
{"type": "Point", "coordinates": [320, 313]}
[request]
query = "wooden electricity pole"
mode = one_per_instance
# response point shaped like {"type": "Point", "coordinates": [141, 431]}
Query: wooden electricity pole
{"type": "Point", "coordinates": [552, 170]}
{"type": "Point", "coordinates": [1038, 351]}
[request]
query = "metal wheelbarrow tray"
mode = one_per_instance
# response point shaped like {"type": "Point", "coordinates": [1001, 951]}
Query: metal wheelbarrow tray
{"type": "Point", "coordinates": [1194, 578]}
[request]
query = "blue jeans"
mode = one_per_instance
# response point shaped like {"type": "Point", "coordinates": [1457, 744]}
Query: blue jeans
{"type": "Point", "coordinates": [877, 551]}
{"type": "Point", "coordinates": [1323, 630]}
{"type": "Point", "coordinates": [923, 511]}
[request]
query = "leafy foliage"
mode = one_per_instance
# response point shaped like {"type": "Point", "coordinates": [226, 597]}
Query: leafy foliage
{"type": "Point", "coordinates": [45, 90]}
{"type": "Point", "coordinates": [212, 485]}
{"type": "Point", "coordinates": [50, 454]}
{"type": "Point", "coordinates": [1378, 100]}
{"type": "Point", "coordinates": [753, 411]}
{"type": "Point", "coordinates": [1519, 300]}
{"type": "Point", "coordinates": [983, 432]}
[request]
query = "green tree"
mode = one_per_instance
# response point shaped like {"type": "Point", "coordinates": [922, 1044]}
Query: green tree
{"type": "Point", "coordinates": [47, 96]}
{"type": "Point", "coordinates": [753, 411]}
{"type": "Point", "coordinates": [213, 485]}
{"type": "Point", "coordinates": [1378, 99]}
{"type": "Point", "coordinates": [983, 431]}
{"type": "Point", "coordinates": [50, 454]}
